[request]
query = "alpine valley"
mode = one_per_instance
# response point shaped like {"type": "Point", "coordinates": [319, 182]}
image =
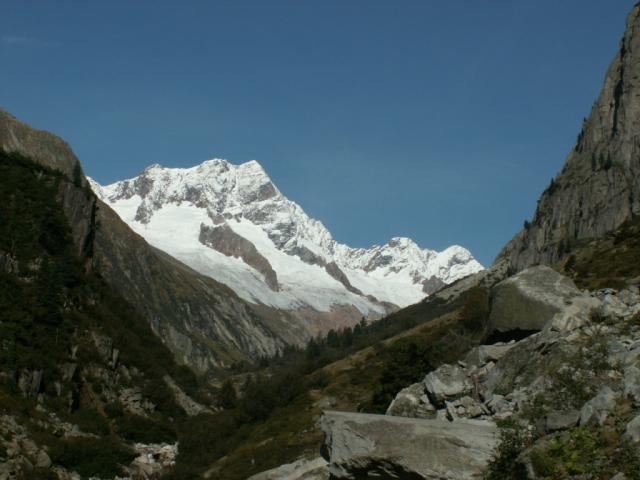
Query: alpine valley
{"type": "Point", "coordinates": [231, 223]}
{"type": "Point", "coordinates": [195, 323]}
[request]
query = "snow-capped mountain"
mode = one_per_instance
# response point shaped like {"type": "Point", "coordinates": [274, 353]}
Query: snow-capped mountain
{"type": "Point", "coordinates": [230, 222]}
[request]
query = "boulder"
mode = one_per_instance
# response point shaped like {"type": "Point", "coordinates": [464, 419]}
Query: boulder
{"type": "Point", "coordinates": [530, 299]}
{"type": "Point", "coordinates": [630, 296]}
{"type": "Point", "coordinates": [376, 446]}
{"type": "Point", "coordinates": [42, 459]}
{"type": "Point", "coordinates": [104, 346]}
{"type": "Point", "coordinates": [465, 407]}
{"type": "Point", "coordinates": [576, 314]}
{"type": "Point", "coordinates": [561, 420]}
{"type": "Point", "coordinates": [632, 383]}
{"type": "Point", "coordinates": [479, 356]}
{"type": "Point", "coordinates": [632, 357]}
{"type": "Point", "coordinates": [304, 469]}
{"type": "Point", "coordinates": [446, 383]}
{"type": "Point", "coordinates": [632, 431]}
{"type": "Point", "coordinates": [614, 307]}
{"type": "Point", "coordinates": [412, 402]}
{"type": "Point", "coordinates": [596, 410]}
{"type": "Point", "coordinates": [498, 404]}
{"type": "Point", "coordinates": [30, 383]}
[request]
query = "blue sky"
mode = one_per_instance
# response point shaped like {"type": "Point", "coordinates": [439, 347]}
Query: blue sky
{"type": "Point", "coordinates": [440, 121]}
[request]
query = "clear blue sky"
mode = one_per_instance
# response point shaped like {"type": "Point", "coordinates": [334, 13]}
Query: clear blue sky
{"type": "Point", "coordinates": [438, 120]}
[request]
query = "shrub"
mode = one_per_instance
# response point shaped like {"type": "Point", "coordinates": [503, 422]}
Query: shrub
{"type": "Point", "coordinates": [204, 439]}
{"type": "Point", "coordinates": [514, 439]}
{"type": "Point", "coordinates": [90, 421]}
{"type": "Point", "coordinates": [227, 396]}
{"type": "Point", "coordinates": [404, 363]}
{"type": "Point", "coordinates": [476, 308]}
{"type": "Point", "coordinates": [586, 453]}
{"type": "Point", "coordinates": [101, 457]}
{"type": "Point", "coordinates": [136, 428]}
{"type": "Point", "coordinates": [113, 410]}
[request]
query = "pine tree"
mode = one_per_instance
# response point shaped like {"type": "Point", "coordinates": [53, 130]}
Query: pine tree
{"type": "Point", "coordinates": [227, 396]}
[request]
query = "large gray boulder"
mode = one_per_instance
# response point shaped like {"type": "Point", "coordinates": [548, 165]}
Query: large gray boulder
{"type": "Point", "coordinates": [632, 431]}
{"type": "Point", "coordinates": [531, 299]}
{"type": "Point", "coordinates": [412, 402]}
{"type": "Point", "coordinates": [446, 383]}
{"type": "Point", "coordinates": [303, 469]}
{"type": "Point", "coordinates": [479, 356]}
{"type": "Point", "coordinates": [596, 410]}
{"type": "Point", "coordinates": [376, 446]}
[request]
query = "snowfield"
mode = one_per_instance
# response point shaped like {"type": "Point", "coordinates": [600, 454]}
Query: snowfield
{"type": "Point", "coordinates": [167, 206]}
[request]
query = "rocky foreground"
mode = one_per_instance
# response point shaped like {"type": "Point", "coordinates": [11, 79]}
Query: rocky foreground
{"type": "Point", "coordinates": [576, 373]}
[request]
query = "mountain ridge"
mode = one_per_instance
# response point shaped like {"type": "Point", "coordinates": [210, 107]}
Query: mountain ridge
{"type": "Point", "coordinates": [239, 204]}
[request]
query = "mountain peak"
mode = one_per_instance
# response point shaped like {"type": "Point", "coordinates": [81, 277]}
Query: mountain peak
{"type": "Point", "coordinates": [152, 167]}
{"type": "Point", "coordinates": [402, 242]}
{"type": "Point", "coordinates": [180, 210]}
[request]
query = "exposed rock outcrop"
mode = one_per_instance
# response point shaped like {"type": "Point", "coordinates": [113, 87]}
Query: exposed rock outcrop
{"type": "Point", "coordinates": [43, 147]}
{"type": "Point", "coordinates": [226, 241]}
{"type": "Point", "coordinates": [599, 186]}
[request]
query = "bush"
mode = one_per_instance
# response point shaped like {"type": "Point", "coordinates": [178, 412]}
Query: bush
{"type": "Point", "coordinates": [404, 363]}
{"type": "Point", "coordinates": [204, 439]}
{"type": "Point", "coordinates": [90, 421]}
{"type": "Point", "coordinates": [227, 396]}
{"type": "Point", "coordinates": [476, 309]}
{"type": "Point", "coordinates": [514, 439]}
{"type": "Point", "coordinates": [136, 428]}
{"type": "Point", "coordinates": [102, 457]}
{"type": "Point", "coordinates": [586, 453]}
{"type": "Point", "coordinates": [113, 410]}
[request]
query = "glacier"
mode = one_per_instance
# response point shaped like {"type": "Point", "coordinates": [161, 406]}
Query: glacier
{"type": "Point", "coordinates": [223, 220]}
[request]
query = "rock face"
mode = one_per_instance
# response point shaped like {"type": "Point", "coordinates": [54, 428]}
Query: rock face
{"type": "Point", "coordinates": [377, 446]}
{"type": "Point", "coordinates": [42, 146]}
{"type": "Point", "coordinates": [225, 240]}
{"type": "Point", "coordinates": [599, 186]}
{"type": "Point", "coordinates": [529, 300]}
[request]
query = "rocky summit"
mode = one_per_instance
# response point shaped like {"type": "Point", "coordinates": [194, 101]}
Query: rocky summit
{"type": "Point", "coordinates": [230, 222]}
